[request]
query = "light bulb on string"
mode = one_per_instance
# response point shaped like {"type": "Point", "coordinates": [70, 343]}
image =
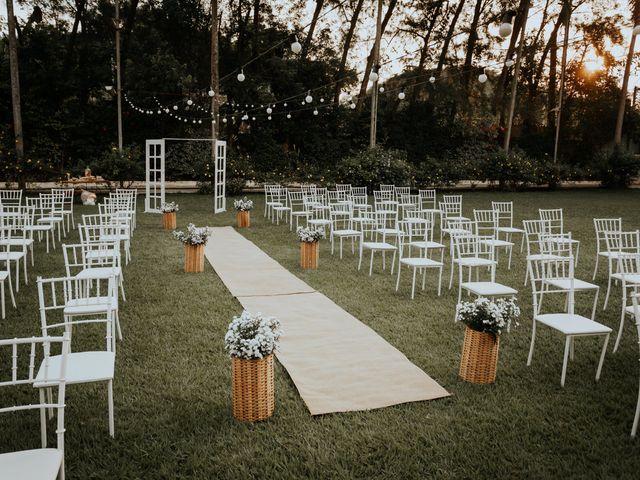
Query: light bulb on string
{"type": "Point", "coordinates": [315, 112]}
{"type": "Point", "coordinates": [352, 106]}
{"type": "Point", "coordinates": [308, 98]}
{"type": "Point", "coordinates": [175, 107]}
{"type": "Point", "coordinates": [432, 79]}
{"type": "Point", "coordinates": [295, 46]}
{"type": "Point", "coordinates": [253, 118]}
{"type": "Point", "coordinates": [284, 104]}
{"type": "Point", "coordinates": [401, 95]}
{"type": "Point", "coordinates": [159, 112]}
{"type": "Point", "coordinates": [269, 110]}
{"type": "Point", "coordinates": [483, 76]}
{"type": "Point", "coordinates": [506, 27]}
{"type": "Point", "coordinates": [241, 76]}
{"type": "Point", "coordinates": [373, 77]}
{"type": "Point", "coordinates": [509, 63]}
{"type": "Point", "coordinates": [269, 117]}
{"type": "Point", "coordinates": [194, 121]}
{"type": "Point", "coordinates": [381, 89]}
{"type": "Point", "coordinates": [189, 102]}
{"type": "Point", "coordinates": [211, 92]}
{"type": "Point", "coordinates": [322, 100]}
{"type": "Point", "coordinates": [224, 120]}
{"type": "Point", "coordinates": [288, 115]}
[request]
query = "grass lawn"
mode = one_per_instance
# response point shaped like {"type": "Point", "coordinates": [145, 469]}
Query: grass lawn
{"type": "Point", "coordinates": [172, 387]}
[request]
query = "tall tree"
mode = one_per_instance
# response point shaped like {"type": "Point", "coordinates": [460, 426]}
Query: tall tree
{"type": "Point", "coordinates": [346, 46]}
{"type": "Point", "coordinates": [312, 27]}
{"type": "Point", "coordinates": [635, 17]}
{"type": "Point", "coordinates": [449, 36]}
{"type": "Point", "coordinates": [471, 44]}
{"type": "Point", "coordinates": [566, 13]}
{"type": "Point", "coordinates": [15, 83]}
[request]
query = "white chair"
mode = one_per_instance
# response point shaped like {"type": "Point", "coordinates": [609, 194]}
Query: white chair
{"type": "Point", "coordinates": [408, 203]}
{"type": "Point", "coordinates": [619, 243]}
{"type": "Point", "coordinates": [81, 302]}
{"type": "Point", "coordinates": [132, 194]}
{"type": "Point", "coordinates": [628, 273]}
{"type": "Point", "coordinates": [40, 211]}
{"type": "Point", "coordinates": [80, 264]}
{"type": "Point", "coordinates": [376, 229]}
{"type": "Point", "coordinates": [281, 208]}
{"type": "Point", "coordinates": [602, 226]}
{"type": "Point", "coordinates": [553, 224]}
{"type": "Point", "coordinates": [570, 324]}
{"type": "Point", "coordinates": [635, 298]}
{"type": "Point", "coordinates": [67, 205]}
{"type": "Point", "coordinates": [422, 233]}
{"type": "Point", "coordinates": [341, 215]}
{"type": "Point", "coordinates": [532, 235]}
{"type": "Point", "coordinates": [41, 463]}
{"type": "Point", "coordinates": [269, 203]}
{"type": "Point", "coordinates": [10, 253]}
{"type": "Point", "coordinates": [384, 200]}
{"type": "Point", "coordinates": [552, 248]}
{"type": "Point", "coordinates": [450, 211]}
{"type": "Point", "coordinates": [412, 229]}
{"type": "Point", "coordinates": [474, 254]}
{"type": "Point", "coordinates": [343, 190]}
{"type": "Point", "coordinates": [296, 203]}
{"type": "Point", "coordinates": [52, 213]}
{"type": "Point", "coordinates": [486, 224]}
{"type": "Point", "coordinates": [504, 213]}
{"type": "Point", "coordinates": [9, 197]}
{"type": "Point", "coordinates": [104, 227]}
{"type": "Point", "coordinates": [5, 275]}
{"type": "Point", "coordinates": [428, 200]}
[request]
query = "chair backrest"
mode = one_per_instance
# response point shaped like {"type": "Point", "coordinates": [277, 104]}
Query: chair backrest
{"type": "Point", "coordinates": [532, 232]}
{"type": "Point", "coordinates": [387, 188]}
{"type": "Point", "coordinates": [628, 264]}
{"type": "Point", "coordinates": [67, 197]}
{"type": "Point", "coordinates": [622, 242]}
{"type": "Point", "coordinates": [398, 191]}
{"type": "Point", "coordinates": [52, 205]}
{"type": "Point", "coordinates": [59, 297]}
{"type": "Point", "coordinates": [486, 223]}
{"type": "Point", "coordinates": [386, 219]}
{"type": "Point", "coordinates": [603, 225]}
{"type": "Point", "coordinates": [450, 209]}
{"type": "Point", "coordinates": [10, 197]}
{"type": "Point", "coordinates": [471, 246]}
{"type": "Point", "coordinates": [341, 215]}
{"type": "Point", "coordinates": [452, 199]}
{"type": "Point", "coordinates": [408, 199]}
{"type": "Point", "coordinates": [542, 268]}
{"type": "Point", "coordinates": [427, 199]}
{"type": "Point", "coordinates": [358, 200]}
{"type": "Point", "coordinates": [296, 201]}
{"type": "Point", "coordinates": [344, 190]}
{"type": "Point", "coordinates": [23, 374]}
{"type": "Point", "coordinates": [504, 213]}
{"type": "Point", "coordinates": [556, 244]}
{"type": "Point", "coordinates": [552, 220]}
{"type": "Point", "coordinates": [309, 189]}
{"type": "Point", "coordinates": [359, 191]}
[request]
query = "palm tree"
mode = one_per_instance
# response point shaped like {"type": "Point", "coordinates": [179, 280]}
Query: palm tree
{"type": "Point", "coordinates": [635, 17]}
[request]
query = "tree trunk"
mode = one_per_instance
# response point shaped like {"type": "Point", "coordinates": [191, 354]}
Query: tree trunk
{"type": "Point", "coordinates": [256, 26]}
{"type": "Point", "coordinates": [312, 27]}
{"type": "Point", "coordinates": [563, 70]}
{"type": "Point", "coordinates": [15, 88]}
{"type": "Point", "coordinates": [425, 47]}
{"type": "Point", "coordinates": [449, 37]}
{"type": "Point", "coordinates": [551, 100]}
{"type": "Point", "coordinates": [367, 72]}
{"type": "Point", "coordinates": [80, 8]}
{"type": "Point", "coordinates": [471, 44]}
{"type": "Point", "coordinates": [617, 139]}
{"type": "Point", "coordinates": [214, 74]}
{"type": "Point", "coordinates": [345, 50]}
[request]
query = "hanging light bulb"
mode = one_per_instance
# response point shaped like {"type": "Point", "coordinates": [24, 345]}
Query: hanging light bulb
{"type": "Point", "coordinates": [432, 79]}
{"type": "Point", "coordinates": [483, 76]}
{"type": "Point", "coordinates": [194, 121]}
{"type": "Point", "coordinates": [636, 30]}
{"type": "Point", "coordinates": [241, 76]}
{"type": "Point", "coordinates": [308, 98]}
{"type": "Point", "coordinates": [288, 115]}
{"type": "Point", "coordinates": [200, 121]}
{"type": "Point", "coordinates": [374, 76]}
{"type": "Point", "coordinates": [315, 112]}
{"type": "Point", "coordinates": [284, 104]}
{"type": "Point", "coordinates": [506, 27]}
{"type": "Point", "coordinates": [269, 117]}
{"type": "Point", "coordinates": [224, 120]}
{"type": "Point", "coordinates": [322, 100]}
{"type": "Point", "coordinates": [381, 89]}
{"type": "Point", "coordinates": [189, 102]}
{"type": "Point", "coordinates": [166, 110]}
{"type": "Point", "coordinates": [269, 110]}
{"type": "Point", "coordinates": [295, 46]}
{"type": "Point", "coordinates": [401, 95]}
{"type": "Point", "coordinates": [509, 63]}
{"type": "Point", "coordinates": [211, 92]}
{"type": "Point", "coordinates": [253, 118]}
{"type": "Point", "coordinates": [175, 107]}
{"type": "Point", "coordinates": [352, 106]}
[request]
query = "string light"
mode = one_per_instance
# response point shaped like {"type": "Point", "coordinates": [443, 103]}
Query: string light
{"type": "Point", "coordinates": [295, 46]}
{"type": "Point", "coordinates": [189, 102]}
{"type": "Point", "coordinates": [211, 92]}
{"type": "Point", "coordinates": [482, 78]}
{"type": "Point", "coordinates": [241, 76]}
{"type": "Point", "coordinates": [509, 63]}
{"type": "Point", "coordinates": [308, 98]}
{"type": "Point", "coordinates": [506, 27]}
{"type": "Point", "coordinates": [269, 110]}
{"type": "Point", "coordinates": [401, 95]}
{"type": "Point", "coordinates": [432, 79]}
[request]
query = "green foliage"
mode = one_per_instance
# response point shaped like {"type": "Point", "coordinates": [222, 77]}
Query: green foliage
{"type": "Point", "coordinates": [121, 167]}
{"type": "Point", "coordinates": [616, 168]}
{"type": "Point", "coordinates": [374, 166]}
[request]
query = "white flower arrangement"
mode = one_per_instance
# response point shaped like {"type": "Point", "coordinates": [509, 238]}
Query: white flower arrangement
{"type": "Point", "coordinates": [252, 336]}
{"type": "Point", "coordinates": [193, 236]}
{"type": "Point", "coordinates": [243, 205]}
{"type": "Point", "coordinates": [169, 207]}
{"type": "Point", "coordinates": [484, 315]}
{"type": "Point", "coordinates": [309, 235]}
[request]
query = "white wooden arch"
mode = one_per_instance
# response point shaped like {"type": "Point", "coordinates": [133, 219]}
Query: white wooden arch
{"type": "Point", "coordinates": [155, 151]}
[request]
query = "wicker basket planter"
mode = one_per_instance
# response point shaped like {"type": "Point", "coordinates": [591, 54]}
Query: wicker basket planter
{"type": "Point", "coordinates": [194, 258]}
{"type": "Point", "coordinates": [244, 219]}
{"type": "Point", "coordinates": [309, 254]}
{"type": "Point", "coordinates": [253, 393]}
{"type": "Point", "coordinates": [479, 360]}
{"type": "Point", "coordinates": [169, 220]}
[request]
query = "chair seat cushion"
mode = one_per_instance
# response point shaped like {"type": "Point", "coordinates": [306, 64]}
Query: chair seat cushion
{"type": "Point", "coordinates": [18, 242]}
{"type": "Point", "coordinates": [3, 275]}
{"type": "Point", "coordinates": [510, 230]}
{"type": "Point", "coordinates": [319, 222]}
{"type": "Point", "coordinates": [11, 256]}
{"type": "Point", "coordinates": [378, 246]}
{"type": "Point", "coordinates": [497, 243]}
{"type": "Point", "coordinates": [89, 306]}
{"type": "Point", "coordinates": [543, 256]}
{"type": "Point", "coordinates": [489, 289]}
{"type": "Point", "coordinates": [564, 240]}
{"type": "Point", "coordinates": [97, 272]}
{"type": "Point", "coordinates": [389, 231]}
{"type": "Point", "coordinates": [38, 464]}
{"type": "Point", "coordinates": [346, 233]}
{"type": "Point", "coordinates": [565, 284]}
{"type": "Point", "coordinates": [629, 278]}
{"type": "Point", "coordinates": [420, 262]}
{"type": "Point", "coordinates": [474, 262]}
{"type": "Point", "coordinates": [425, 245]}
{"type": "Point", "coordinates": [82, 367]}
{"type": "Point", "coordinates": [572, 324]}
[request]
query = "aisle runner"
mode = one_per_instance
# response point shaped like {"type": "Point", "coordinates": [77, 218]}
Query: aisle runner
{"type": "Point", "coordinates": [337, 363]}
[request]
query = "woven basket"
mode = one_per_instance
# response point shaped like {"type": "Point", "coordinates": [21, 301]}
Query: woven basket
{"type": "Point", "coordinates": [479, 360]}
{"type": "Point", "coordinates": [169, 220]}
{"type": "Point", "coordinates": [309, 254]}
{"type": "Point", "coordinates": [253, 394]}
{"type": "Point", "coordinates": [194, 258]}
{"type": "Point", "coordinates": [244, 219]}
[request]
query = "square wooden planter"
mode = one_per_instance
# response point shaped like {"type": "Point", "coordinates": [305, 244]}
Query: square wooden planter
{"type": "Point", "coordinates": [479, 361]}
{"type": "Point", "coordinates": [194, 258]}
{"type": "Point", "coordinates": [309, 254]}
{"type": "Point", "coordinates": [253, 393]}
{"type": "Point", "coordinates": [243, 219]}
{"type": "Point", "coordinates": [169, 220]}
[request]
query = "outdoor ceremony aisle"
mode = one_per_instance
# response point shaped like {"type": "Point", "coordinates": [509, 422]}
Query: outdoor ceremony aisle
{"type": "Point", "coordinates": [337, 363]}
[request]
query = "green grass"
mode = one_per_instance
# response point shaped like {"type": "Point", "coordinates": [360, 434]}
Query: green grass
{"type": "Point", "coordinates": [172, 387]}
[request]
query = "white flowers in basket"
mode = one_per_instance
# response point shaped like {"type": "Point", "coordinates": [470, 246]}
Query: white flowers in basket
{"type": "Point", "coordinates": [252, 336]}
{"type": "Point", "coordinates": [309, 235]}
{"type": "Point", "coordinates": [484, 315]}
{"type": "Point", "coordinates": [193, 236]}
{"type": "Point", "coordinates": [169, 207]}
{"type": "Point", "coordinates": [243, 205]}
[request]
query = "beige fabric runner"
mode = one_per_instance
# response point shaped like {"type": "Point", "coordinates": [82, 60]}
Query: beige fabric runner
{"type": "Point", "coordinates": [337, 363]}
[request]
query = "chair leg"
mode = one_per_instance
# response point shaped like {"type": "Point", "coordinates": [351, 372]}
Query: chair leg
{"type": "Point", "coordinates": [595, 270]}
{"type": "Point", "coordinates": [110, 400]}
{"type": "Point", "coordinates": [533, 342]}
{"type": "Point", "coordinates": [13, 298]}
{"type": "Point", "coordinates": [4, 313]}
{"type": "Point", "coordinates": [371, 264]}
{"type": "Point", "coordinates": [567, 344]}
{"type": "Point", "coordinates": [522, 244]}
{"type": "Point", "coordinates": [606, 298]}
{"type": "Point", "coordinates": [439, 280]}
{"type": "Point", "coordinates": [622, 318]}
{"type": "Point", "coordinates": [604, 351]}
{"type": "Point", "coordinates": [398, 279]}
{"type": "Point", "coordinates": [43, 419]}
{"type": "Point", "coordinates": [595, 304]}
{"type": "Point", "coordinates": [124, 297]}
{"type": "Point", "coordinates": [413, 282]}
{"type": "Point", "coordinates": [636, 418]}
